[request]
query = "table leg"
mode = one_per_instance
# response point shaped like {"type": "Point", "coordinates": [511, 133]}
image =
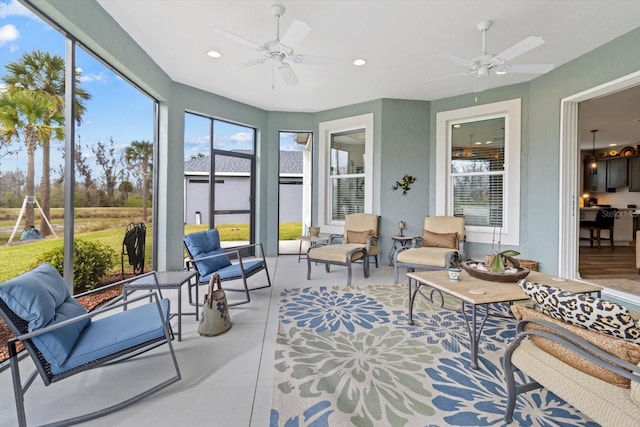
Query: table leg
{"type": "Point", "coordinates": [179, 313]}
{"type": "Point", "coordinates": [474, 332]}
{"type": "Point", "coordinates": [300, 251]}
{"type": "Point", "coordinates": [412, 298]}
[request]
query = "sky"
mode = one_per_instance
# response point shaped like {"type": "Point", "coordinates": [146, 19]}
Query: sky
{"type": "Point", "coordinates": [117, 110]}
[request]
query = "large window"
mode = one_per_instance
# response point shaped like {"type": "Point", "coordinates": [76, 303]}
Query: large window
{"type": "Point", "coordinates": [345, 172]}
{"type": "Point", "coordinates": [477, 171]}
{"type": "Point", "coordinates": [108, 145]}
{"type": "Point", "coordinates": [478, 167]}
{"type": "Point", "coordinates": [227, 149]}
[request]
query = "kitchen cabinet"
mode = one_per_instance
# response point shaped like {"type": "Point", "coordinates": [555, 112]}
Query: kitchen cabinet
{"type": "Point", "coordinates": [616, 172]}
{"type": "Point", "coordinates": [634, 173]}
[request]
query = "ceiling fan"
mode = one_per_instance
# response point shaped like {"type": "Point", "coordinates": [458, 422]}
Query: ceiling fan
{"type": "Point", "coordinates": [482, 66]}
{"type": "Point", "coordinates": [280, 50]}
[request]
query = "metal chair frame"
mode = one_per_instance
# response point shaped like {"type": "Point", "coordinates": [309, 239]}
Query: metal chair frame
{"type": "Point", "coordinates": [19, 327]}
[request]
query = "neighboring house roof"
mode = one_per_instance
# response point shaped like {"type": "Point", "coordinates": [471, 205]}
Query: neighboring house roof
{"type": "Point", "coordinates": [290, 163]}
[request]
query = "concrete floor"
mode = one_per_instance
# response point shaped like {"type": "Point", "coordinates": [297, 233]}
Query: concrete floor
{"type": "Point", "coordinates": [226, 380]}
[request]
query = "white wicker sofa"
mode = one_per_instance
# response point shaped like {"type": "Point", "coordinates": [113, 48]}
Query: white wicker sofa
{"type": "Point", "coordinates": [597, 373]}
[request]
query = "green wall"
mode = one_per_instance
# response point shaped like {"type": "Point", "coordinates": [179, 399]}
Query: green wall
{"type": "Point", "coordinates": [404, 141]}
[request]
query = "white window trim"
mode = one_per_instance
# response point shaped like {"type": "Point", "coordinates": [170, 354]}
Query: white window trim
{"type": "Point", "coordinates": [326, 130]}
{"type": "Point", "coordinates": [511, 111]}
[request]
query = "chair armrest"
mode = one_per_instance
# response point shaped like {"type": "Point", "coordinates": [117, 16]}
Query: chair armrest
{"type": "Point", "coordinates": [576, 344]}
{"type": "Point", "coordinates": [88, 316]}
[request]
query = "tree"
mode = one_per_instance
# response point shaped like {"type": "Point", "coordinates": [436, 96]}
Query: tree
{"type": "Point", "coordinates": [139, 156]}
{"type": "Point", "coordinates": [11, 184]}
{"type": "Point", "coordinates": [109, 161]}
{"type": "Point", "coordinates": [125, 187]}
{"type": "Point", "coordinates": [42, 72]}
{"type": "Point", "coordinates": [22, 116]}
{"type": "Point", "coordinates": [85, 172]}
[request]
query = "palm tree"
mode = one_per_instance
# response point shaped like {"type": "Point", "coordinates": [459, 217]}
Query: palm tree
{"type": "Point", "coordinates": [42, 72]}
{"type": "Point", "coordinates": [139, 156]}
{"type": "Point", "coordinates": [22, 116]}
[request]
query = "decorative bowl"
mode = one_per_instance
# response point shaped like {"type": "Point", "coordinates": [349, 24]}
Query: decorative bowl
{"type": "Point", "coordinates": [469, 267]}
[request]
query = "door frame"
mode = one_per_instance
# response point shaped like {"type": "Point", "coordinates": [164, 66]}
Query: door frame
{"type": "Point", "coordinates": [568, 239]}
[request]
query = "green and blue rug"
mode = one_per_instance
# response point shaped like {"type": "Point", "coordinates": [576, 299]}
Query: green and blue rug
{"type": "Point", "coordinates": [345, 356]}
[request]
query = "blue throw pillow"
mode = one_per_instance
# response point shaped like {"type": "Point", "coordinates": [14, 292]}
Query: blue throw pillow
{"type": "Point", "coordinates": [34, 295]}
{"type": "Point", "coordinates": [41, 297]}
{"type": "Point", "coordinates": [204, 244]}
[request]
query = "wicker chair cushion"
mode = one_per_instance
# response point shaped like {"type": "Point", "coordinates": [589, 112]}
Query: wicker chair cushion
{"type": "Point", "coordinates": [358, 236]}
{"type": "Point", "coordinates": [439, 240]}
{"type": "Point", "coordinates": [635, 391]}
{"type": "Point", "coordinates": [204, 244]}
{"type": "Point", "coordinates": [618, 347]}
{"type": "Point", "coordinates": [583, 310]}
{"type": "Point", "coordinates": [233, 271]}
{"type": "Point", "coordinates": [41, 297]}
{"type": "Point", "coordinates": [116, 333]}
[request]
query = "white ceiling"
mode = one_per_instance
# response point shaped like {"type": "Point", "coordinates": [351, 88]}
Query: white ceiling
{"type": "Point", "coordinates": [400, 39]}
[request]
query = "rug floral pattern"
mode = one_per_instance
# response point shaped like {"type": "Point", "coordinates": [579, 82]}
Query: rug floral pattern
{"type": "Point", "coordinates": [346, 356]}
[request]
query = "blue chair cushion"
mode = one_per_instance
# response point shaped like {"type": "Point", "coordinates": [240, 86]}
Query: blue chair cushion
{"type": "Point", "coordinates": [233, 271]}
{"type": "Point", "coordinates": [115, 333]}
{"type": "Point", "coordinates": [204, 244]}
{"type": "Point", "coordinates": [41, 297]}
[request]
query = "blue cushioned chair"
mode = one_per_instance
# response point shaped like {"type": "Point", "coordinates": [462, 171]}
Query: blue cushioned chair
{"type": "Point", "coordinates": [63, 339]}
{"type": "Point", "coordinates": [208, 257]}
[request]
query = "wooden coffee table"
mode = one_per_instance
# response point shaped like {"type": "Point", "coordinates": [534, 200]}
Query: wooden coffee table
{"type": "Point", "coordinates": [477, 292]}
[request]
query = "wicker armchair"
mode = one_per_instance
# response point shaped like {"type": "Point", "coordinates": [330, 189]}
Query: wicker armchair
{"type": "Point", "coordinates": [359, 242]}
{"type": "Point", "coordinates": [442, 242]}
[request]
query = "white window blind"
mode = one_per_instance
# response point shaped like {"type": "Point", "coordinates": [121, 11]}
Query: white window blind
{"type": "Point", "coordinates": [347, 173]}
{"type": "Point", "coordinates": [477, 171]}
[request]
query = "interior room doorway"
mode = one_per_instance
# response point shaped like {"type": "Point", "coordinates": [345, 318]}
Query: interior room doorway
{"type": "Point", "coordinates": [570, 172]}
{"type": "Point", "coordinates": [294, 189]}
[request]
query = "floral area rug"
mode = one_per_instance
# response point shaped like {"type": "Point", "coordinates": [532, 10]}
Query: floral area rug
{"type": "Point", "coordinates": [346, 356]}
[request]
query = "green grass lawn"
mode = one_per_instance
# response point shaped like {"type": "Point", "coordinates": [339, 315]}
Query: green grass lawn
{"type": "Point", "coordinates": [21, 256]}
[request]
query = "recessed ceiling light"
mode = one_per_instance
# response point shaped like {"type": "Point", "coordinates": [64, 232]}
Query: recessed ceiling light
{"type": "Point", "coordinates": [457, 125]}
{"type": "Point", "coordinates": [214, 54]}
{"type": "Point", "coordinates": [612, 145]}
{"type": "Point", "coordinates": [488, 142]}
{"type": "Point", "coordinates": [478, 143]}
{"type": "Point", "coordinates": [359, 62]}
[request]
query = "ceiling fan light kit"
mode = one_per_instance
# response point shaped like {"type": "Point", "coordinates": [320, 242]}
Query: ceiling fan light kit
{"type": "Point", "coordinates": [280, 51]}
{"type": "Point", "coordinates": [481, 66]}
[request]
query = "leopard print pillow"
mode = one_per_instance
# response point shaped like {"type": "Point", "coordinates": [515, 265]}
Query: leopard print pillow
{"type": "Point", "coordinates": [583, 310]}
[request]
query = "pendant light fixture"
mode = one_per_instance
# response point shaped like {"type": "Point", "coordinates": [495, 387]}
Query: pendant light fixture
{"type": "Point", "coordinates": [592, 160]}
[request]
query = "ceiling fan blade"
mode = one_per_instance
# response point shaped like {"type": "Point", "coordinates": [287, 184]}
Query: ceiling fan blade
{"type": "Point", "coordinates": [480, 84]}
{"type": "Point", "coordinates": [446, 77]}
{"type": "Point", "coordinates": [517, 49]}
{"type": "Point", "coordinates": [288, 75]}
{"type": "Point", "coordinates": [248, 64]}
{"type": "Point", "coordinates": [238, 39]}
{"type": "Point", "coordinates": [457, 59]}
{"type": "Point", "coordinates": [314, 59]}
{"type": "Point", "coordinates": [530, 68]}
{"type": "Point", "coordinates": [295, 34]}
